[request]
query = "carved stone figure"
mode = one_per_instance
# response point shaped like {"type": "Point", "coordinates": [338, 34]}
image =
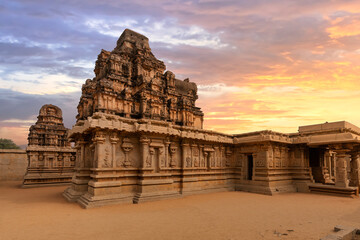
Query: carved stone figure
{"type": "Point", "coordinates": [188, 162]}
{"type": "Point", "coordinates": [173, 156]}
{"type": "Point", "coordinates": [127, 146]}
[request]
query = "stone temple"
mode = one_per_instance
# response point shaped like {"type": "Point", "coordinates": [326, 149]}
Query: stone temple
{"type": "Point", "coordinates": [140, 137]}
{"type": "Point", "coordinates": [51, 159]}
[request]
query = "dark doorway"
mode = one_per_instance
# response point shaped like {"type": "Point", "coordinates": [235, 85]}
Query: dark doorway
{"type": "Point", "coordinates": [315, 164]}
{"type": "Point", "coordinates": [250, 167]}
{"type": "Point", "coordinates": [314, 157]}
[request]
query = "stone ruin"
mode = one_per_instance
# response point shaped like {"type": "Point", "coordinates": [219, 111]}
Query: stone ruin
{"type": "Point", "coordinates": [140, 137]}
{"type": "Point", "coordinates": [51, 159]}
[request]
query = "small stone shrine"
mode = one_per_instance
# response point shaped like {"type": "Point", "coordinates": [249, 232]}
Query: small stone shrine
{"type": "Point", "coordinates": [51, 159]}
{"type": "Point", "coordinates": [140, 137]}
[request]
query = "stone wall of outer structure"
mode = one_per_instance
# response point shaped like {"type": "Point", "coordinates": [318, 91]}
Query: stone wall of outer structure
{"type": "Point", "coordinates": [13, 163]}
{"type": "Point", "coordinates": [127, 160]}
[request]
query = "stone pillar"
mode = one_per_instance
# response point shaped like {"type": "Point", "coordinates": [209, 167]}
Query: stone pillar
{"type": "Point", "coordinates": [355, 169]}
{"type": "Point", "coordinates": [202, 158]}
{"type": "Point", "coordinates": [212, 159]}
{"type": "Point", "coordinates": [46, 160]}
{"type": "Point", "coordinates": [206, 160]}
{"type": "Point", "coordinates": [167, 143]}
{"type": "Point", "coordinates": [113, 140]}
{"type": "Point", "coordinates": [341, 179]}
{"type": "Point", "coordinates": [99, 141]}
{"type": "Point", "coordinates": [329, 164]}
{"type": "Point", "coordinates": [144, 150]}
{"type": "Point", "coordinates": [216, 156]}
{"type": "Point", "coordinates": [81, 153]}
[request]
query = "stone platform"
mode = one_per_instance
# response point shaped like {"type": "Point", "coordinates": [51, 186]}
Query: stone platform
{"type": "Point", "coordinates": [333, 190]}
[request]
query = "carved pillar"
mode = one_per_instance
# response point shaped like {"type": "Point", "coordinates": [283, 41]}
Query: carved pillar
{"type": "Point", "coordinates": [207, 161]}
{"type": "Point", "coordinates": [222, 153]}
{"type": "Point", "coordinates": [160, 158]}
{"type": "Point", "coordinates": [144, 151]}
{"type": "Point", "coordinates": [333, 159]}
{"type": "Point", "coordinates": [114, 140]}
{"type": "Point", "coordinates": [284, 157]}
{"type": "Point", "coordinates": [78, 163]}
{"type": "Point", "coordinates": [341, 179]}
{"type": "Point", "coordinates": [228, 155]}
{"type": "Point", "coordinates": [355, 169]}
{"type": "Point", "coordinates": [194, 155]}
{"type": "Point", "coordinates": [201, 156]}
{"type": "Point", "coordinates": [212, 159]}
{"type": "Point", "coordinates": [167, 143]}
{"type": "Point", "coordinates": [99, 141]}
{"type": "Point", "coordinates": [173, 156]}
{"type": "Point", "coordinates": [329, 163]}
{"type": "Point", "coordinates": [270, 157]}
{"type": "Point", "coordinates": [82, 153]}
{"type": "Point", "coordinates": [150, 159]}
{"type": "Point", "coordinates": [46, 160]}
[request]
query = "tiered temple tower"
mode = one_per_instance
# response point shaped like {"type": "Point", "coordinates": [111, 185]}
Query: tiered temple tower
{"type": "Point", "coordinates": [130, 82]}
{"type": "Point", "coordinates": [51, 158]}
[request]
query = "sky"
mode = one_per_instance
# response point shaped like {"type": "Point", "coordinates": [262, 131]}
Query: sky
{"type": "Point", "coordinates": [259, 65]}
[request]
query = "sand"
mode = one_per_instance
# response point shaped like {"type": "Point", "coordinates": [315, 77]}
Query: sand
{"type": "Point", "coordinates": [42, 213]}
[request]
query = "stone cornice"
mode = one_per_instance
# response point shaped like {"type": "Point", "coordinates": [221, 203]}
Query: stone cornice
{"type": "Point", "coordinates": [113, 122]}
{"type": "Point", "coordinates": [35, 148]}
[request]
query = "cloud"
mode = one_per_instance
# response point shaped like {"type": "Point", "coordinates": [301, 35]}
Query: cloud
{"type": "Point", "coordinates": [258, 64]}
{"type": "Point", "coordinates": [166, 31]}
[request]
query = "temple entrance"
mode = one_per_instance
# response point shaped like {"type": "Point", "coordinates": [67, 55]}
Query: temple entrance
{"type": "Point", "coordinates": [315, 164]}
{"type": "Point", "coordinates": [250, 167]}
{"type": "Point", "coordinates": [321, 165]}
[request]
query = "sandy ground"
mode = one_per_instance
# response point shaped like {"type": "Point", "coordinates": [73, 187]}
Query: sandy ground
{"type": "Point", "coordinates": [42, 213]}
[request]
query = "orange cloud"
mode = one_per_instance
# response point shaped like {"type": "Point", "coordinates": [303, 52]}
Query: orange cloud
{"type": "Point", "coordinates": [344, 27]}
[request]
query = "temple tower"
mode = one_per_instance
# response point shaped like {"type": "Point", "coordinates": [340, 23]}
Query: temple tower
{"type": "Point", "coordinates": [50, 156]}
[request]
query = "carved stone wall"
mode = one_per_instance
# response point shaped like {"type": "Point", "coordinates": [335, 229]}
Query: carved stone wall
{"type": "Point", "coordinates": [128, 160]}
{"type": "Point", "coordinates": [51, 159]}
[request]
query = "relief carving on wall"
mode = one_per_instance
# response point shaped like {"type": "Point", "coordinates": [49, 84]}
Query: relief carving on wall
{"type": "Point", "coordinates": [173, 161]}
{"type": "Point", "coordinates": [149, 157]}
{"type": "Point", "coordinates": [106, 162]}
{"type": "Point", "coordinates": [260, 159]}
{"type": "Point", "coordinates": [195, 153]}
{"type": "Point", "coordinates": [188, 162]}
{"type": "Point", "coordinates": [127, 146]}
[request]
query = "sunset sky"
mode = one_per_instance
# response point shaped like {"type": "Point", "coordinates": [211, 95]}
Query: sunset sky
{"type": "Point", "coordinates": [259, 64]}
